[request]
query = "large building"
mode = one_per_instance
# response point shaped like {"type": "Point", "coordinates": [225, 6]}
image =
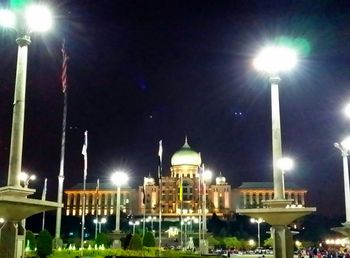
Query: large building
{"type": "Point", "coordinates": [177, 200]}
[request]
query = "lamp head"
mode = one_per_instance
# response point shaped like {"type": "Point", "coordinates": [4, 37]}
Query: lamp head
{"type": "Point", "coordinates": [286, 164]}
{"type": "Point", "coordinates": [275, 59]}
{"type": "Point", "coordinates": [346, 144]}
{"type": "Point", "coordinates": [207, 175]}
{"type": "Point", "coordinates": [38, 18]}
{"type": "Point", "coordinates": [119, 178]}
{"type": "Point", "coordinates": [7, 18]}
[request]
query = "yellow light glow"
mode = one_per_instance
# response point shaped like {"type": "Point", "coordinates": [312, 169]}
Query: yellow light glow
{"type": "Point", "coordinates": [275, 59]}
{"type": "Point", "coordinates": [119, 178]}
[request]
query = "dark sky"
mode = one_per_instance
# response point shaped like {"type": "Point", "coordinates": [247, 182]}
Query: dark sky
{"type": "Point", "coordinates": [141, 71]}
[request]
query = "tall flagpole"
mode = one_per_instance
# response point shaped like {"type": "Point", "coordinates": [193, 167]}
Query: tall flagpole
{"type": "Point", "coordinates": [63, 142]}
{"type": "Point", "coordinates": [84, 152]}
{"type": "Point", "coordinates": [160, 154]}
{"type": "Point", "coordinates": [144, 208]}
{"type": "Point", "coordinates": [43, 197]}
{"type": "Point", "coordinates": [96, 205]}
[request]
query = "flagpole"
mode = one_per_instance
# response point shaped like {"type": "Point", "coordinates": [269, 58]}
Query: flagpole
{"type": "Point", "coordinates": [160, 154]}
{"type": "Point", "coordinates": [181, 208]}
{"type": "Point", "coordinates": [96, 205]}
{"type": "Point", "coordinates": [144, 209]}
{"type": "Point", "coordinates": [84, 152]}
{"type": "Point", "coordinates": [63, 143]}
{"type": "Point", "coordinates": [43, 197]}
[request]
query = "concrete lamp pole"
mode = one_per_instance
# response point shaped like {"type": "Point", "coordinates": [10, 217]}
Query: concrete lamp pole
{"type": "Point", "coordinates": [14, 204]}
{"type": "Point", "coordinates": [273, 60]}
{"type": "Point", "coordinates": [118, 178]}
{"type": "Point", "coordinates": [344, 148]}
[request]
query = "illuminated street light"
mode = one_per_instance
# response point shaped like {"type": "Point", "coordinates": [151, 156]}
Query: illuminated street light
{"type": "Point", "coordinates": [25, 178]}
{"type": "Point", "coordinates": [118, 178]}
{"type": "Point", "coordinates": [285, 164]}
{"type": "Point", "coordinates": [347, 110]}
{"type": "Point", "coordinates": [134, 224]}
{"type": "Point", "coordinates": [344, 148]}
{"type": "Point", "coordinates": [258, 222]}
{"type": "Point", "coordinates": [206, 178]}
{"type": "Point", "coordinates": [273, 60]}
{"type": "Point", "coordinates": [99, 224]}
{"type": "Point", "coordinates": [35, 18]}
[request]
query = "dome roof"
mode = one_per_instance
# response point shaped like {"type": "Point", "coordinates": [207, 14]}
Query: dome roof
{"type": "Point", "coordinates": [220, 180]}
{"type": "Point", "coordinates": [186, 156]}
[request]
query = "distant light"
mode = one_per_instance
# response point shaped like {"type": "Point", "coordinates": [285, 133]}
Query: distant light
{"type": "Point", "coordinates": [286, 164]}
{"type": "Point", "coordinates": [103, 220]}
{"type": "Point", "coordinates": [207, 175]}
{"type": "Point", "coordinates": [7, 18]}
{"type": "Point", "coordinates": [2, 220]}
{"type": "Point", "coordinates": [38, 18]}
{"type": "Point", "coordinates": [251, 242]}
{"type": "Point", "coordinates": [275, 59]}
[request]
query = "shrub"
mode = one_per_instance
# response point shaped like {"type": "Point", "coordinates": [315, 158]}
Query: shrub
{"type": "Point", "coordinates": [44, 244]}
{"type": "Point", "coordinates": [31, 238]}
{"type": "Point", "coordinates": [148, 240]}
{"type": "Point", "coordinates": [135, 242]}
{"type": "Point", "coordinates": [101, 239]}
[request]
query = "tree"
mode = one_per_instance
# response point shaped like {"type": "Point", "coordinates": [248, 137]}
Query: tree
{"type": "Point", "coordinates": [148, 240]}
{"type": "Point", "coordinates": [232, 242]}
{"type": "Point", "coordinates": [268, 242]}
{"type": "Point", "coordinates": [212, 241]}
{"type": "Point", "coordinates": [44, 244]}
{"type": "Point", "coordinates": [31, 238]}
{"type": "Point", "coordinates": [135, 242]}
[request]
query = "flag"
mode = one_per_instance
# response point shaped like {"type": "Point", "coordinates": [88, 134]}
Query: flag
{"type": "Point", "coordinates": [160, 155]}
{"type": "Point", "coordinates": [97, 185]}
{"type": "Point", "coordinates": [84, 152]}
{"type": "Point", "coordinates": [43, 196]}
{"type": "Point", "coordinates": [181, 189]}
{"type": "Point", "coordinates": [64, 68]}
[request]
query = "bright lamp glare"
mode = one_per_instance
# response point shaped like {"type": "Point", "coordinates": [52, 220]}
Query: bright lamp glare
{"type": "Point", "coordinates": [38, 18]}
{"type": "Point", "coordinates": [275, 59]}
{"type": "Point", "coordinates": [346, 143]}
{"type": "Point", "coordinates": [347, 110]}
{"type": "Point", "coordinates": [207, 175]}
{"type": "Point", "coordinates": [285, 164]}
{"type": "Point", "coordinates": [119, 178]}
{"type": "Point", "coordinates": [7, 18]}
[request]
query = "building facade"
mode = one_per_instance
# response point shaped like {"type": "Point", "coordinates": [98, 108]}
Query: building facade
{"type": "Point", "coordinates": [181, 193]}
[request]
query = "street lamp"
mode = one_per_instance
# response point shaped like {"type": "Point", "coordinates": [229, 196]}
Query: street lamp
{"type": "Point", "coordinates": [25, 178]}
{"type": "Point", "coordinates": [35, 18]}
{"type": "Point", "coordinates": [273, 60]}
{"type": "Point", "coordinates": [258, 222]}
{"type": "Point", "coordinates": [99, 224]}
{"type": "Point", "coordinates": [118, 178]}
{"type": "Point", "coordinates": [285, 164]}
{"type": "Point", "coordinates": [206, 178]}
{"type": "Point", "coordinates": [344, 148]}
{"type": "Point", "coordinates": [150, 218]}
{"type": "Point", "coordinates": [134, 224]}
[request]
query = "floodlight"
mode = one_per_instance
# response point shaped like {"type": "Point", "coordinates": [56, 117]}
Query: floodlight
{"type": "Point", "coordinates": [38, 18]}
{"type": "Point", "coordinates": [7, 18]}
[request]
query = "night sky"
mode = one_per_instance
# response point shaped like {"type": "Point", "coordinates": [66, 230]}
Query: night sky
{"type": "Point", "coordinates": [141, 71]}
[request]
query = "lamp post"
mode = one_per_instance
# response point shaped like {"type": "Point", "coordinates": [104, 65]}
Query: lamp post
{"type": "Point", "coordinates": [344, 148]}
{"type": "Point", "coordinates": [273, 60]}
{"type": "Point", "coordinates": [99, 224]}
{"type": "Point", "coordinates": [285, 164]}
{"type": "Point", "coordinates": [206, 178]}
{"type": "Point", "coordinates": [35, 18]}
{"type": "Point", "coordinates": [150, 218]}
{"type": "Point", "coordinates": [118, 178]}
{"type": "Point", "coordinates": [258, 222]}
{"type": "Point", "coordinates": [134, 224]}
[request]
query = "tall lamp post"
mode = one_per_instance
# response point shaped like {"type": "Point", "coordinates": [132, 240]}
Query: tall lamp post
{"type": "Point", "coordinates": [206, 178]}
{"type": "Point", "coordinates": [118, 178]}
{"type": "Point", "coordinates": [258, 222]}
{"type": "Point", "coordinates": [35, 18]}
{"type": "Point", "coordinates": [273, 60]}
{"type": "Point", "coordinates": [344, 148]}
{"type": "Point", "coordinates": [285, 164]}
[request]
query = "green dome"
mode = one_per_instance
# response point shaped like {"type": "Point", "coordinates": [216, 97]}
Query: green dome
{"type": "Point", "coordinates": [186, 156]}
